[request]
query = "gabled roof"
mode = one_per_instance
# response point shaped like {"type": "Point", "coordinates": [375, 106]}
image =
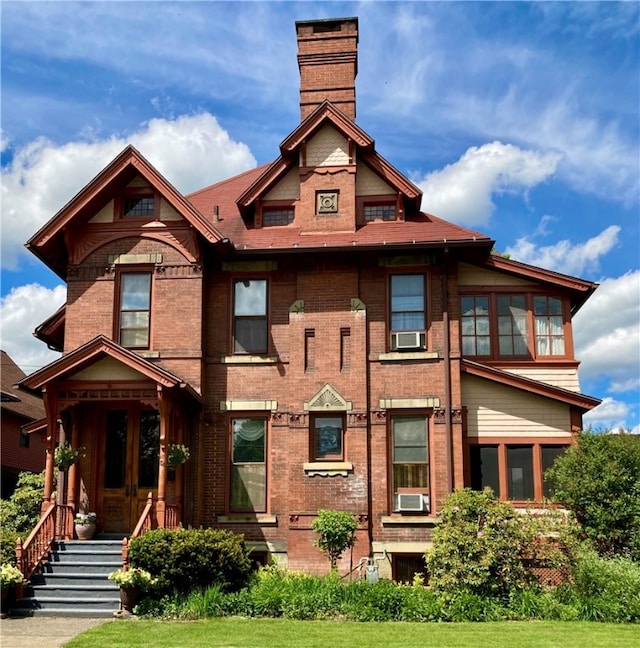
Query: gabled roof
{"type": "Point", "coordinates": [95, 350]}
{"type": "Point", "coordinates": [49, 243]}
{"type": "Point", "coordinates": [575, 399]}
{"type": "Point", "coordinates": [326, 113]}
{"type": "Point", "coordinates": [28, 406]}
{"type": "Point", "coordinates": [580, 289]}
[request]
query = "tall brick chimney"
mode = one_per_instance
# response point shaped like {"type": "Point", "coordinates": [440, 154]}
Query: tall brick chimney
{"type": "Point", "coordinates": [328, 62]}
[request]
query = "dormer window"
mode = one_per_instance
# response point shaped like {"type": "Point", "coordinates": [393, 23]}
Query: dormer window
{"type": "Point", "coordinates": [383, 211]}
{"type": "Point", "coordinates": [277, 216]}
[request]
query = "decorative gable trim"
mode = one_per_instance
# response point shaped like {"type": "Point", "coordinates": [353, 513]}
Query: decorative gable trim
{"type": "Point", "coordinates": [328, 399]}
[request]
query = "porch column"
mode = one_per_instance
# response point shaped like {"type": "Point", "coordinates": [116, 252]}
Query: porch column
{"type": "Point", "coordinates": [162, 469]}
{"type": "Point", "coordinates": [73, 469]}
{"type": "Point", "coordinates": [52, 423]}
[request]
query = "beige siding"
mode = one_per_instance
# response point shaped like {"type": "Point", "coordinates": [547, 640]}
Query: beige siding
{"type": "Point", "coordinates": [566, 378]}
{"type": "Point", "coordinates": [168, 213]}
{"type": "Point", "coordinates": [138, 181]}
{"type": "Point", "coordinates": [108, 369]}
{"type": "Point", "coordinates": [105, 215]}
{"type": "Point", "coordinates": [370, 184]}
{"type": "Point", "coordinates": [328, 148]}
{"type": "Point", "coordinates": [288, 188]}
{"type": "Point", "coordinates": [495, 410]}
{"type": "Point", "coordinates": [469, 275]}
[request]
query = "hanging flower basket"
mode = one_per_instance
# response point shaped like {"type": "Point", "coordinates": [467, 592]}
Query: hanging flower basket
{"type": "Point", "coordinates": [177, 454]}
{"type": "Point", "coordinates": [65, 456]}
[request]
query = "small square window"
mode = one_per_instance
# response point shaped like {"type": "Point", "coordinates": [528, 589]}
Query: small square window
{"type": "Point", "coordinates": [327, 442]}
{"type": "Point", "coordinates": [327, 202]}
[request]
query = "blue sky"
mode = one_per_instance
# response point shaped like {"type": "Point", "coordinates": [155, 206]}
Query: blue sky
{"type": "Point", "coordinates": [517, 119]}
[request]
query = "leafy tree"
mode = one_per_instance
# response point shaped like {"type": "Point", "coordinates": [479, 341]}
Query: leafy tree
{"type": "Point", "coordinates": [336, 531]}
{"type": "Point", "coordinates": [599, 480]}
{"type": "Point", "coordinates": [482, 544]}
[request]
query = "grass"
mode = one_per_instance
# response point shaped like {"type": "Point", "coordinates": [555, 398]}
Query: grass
{"type": "Point", "coordinates": [281, 633]}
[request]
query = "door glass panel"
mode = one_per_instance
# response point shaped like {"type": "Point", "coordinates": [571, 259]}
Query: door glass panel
{"type": "Point", "coordinates": [149, 449]}
{"type": "Point", "coordinates": [115, 450]}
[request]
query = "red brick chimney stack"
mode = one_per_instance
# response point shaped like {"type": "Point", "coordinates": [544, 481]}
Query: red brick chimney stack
{"type": "Point", "coordinates": [328, 62]}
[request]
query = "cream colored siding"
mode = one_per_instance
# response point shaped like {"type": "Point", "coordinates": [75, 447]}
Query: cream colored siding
{"type": "Point", "coordinates": [108, 369]}
{"type": "Point", "coordinates": [138, 181]}
{"type": "Point", "coordinates": [105, 215]}
{"type": "Point", "coordinates": [328, 148]}
{"type": "Point", "coordinates": [469, 275]}
{"type": "Point", "coordinates": [495, 410]}
{"type": "Point", "coordinates": [167, 212]}
{"type": "Point", "coordinates": [566, 378]}
{"type": "Point", "coordinates": [370, 184]}
{"type": "Point", "coordinates": [288, 188]}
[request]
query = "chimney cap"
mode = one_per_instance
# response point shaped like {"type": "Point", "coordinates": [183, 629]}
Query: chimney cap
{"type": "Point", "coordinates": [327, 21]}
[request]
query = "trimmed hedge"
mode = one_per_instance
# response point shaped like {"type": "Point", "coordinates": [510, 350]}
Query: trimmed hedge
{"type": "Point", "coordinates": [187, 560]}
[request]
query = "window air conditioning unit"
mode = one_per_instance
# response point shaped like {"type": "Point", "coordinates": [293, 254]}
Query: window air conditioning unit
{"type": "Point", "coordinates": [413, 502]}
{"type": "Point", "coordinates": [406, 340]}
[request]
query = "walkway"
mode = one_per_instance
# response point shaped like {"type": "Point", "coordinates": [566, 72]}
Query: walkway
{"type": "Point", "coordinates": [40, 631]}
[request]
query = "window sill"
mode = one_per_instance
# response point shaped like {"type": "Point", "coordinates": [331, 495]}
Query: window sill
{"type": "Point", "coordinates": [247, 519]}
{"type": "Point", "coordinates": [414, 520]}
{"type": "Point", "coordinates": [395, 356]}
{"type": "Point", "coordinates": [328, 468]}
{"type": "Point", "coordinates": [248, 359]}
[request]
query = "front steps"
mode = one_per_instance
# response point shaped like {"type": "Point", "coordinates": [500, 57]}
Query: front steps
{"type": "Point", "coordinates": [74, 582]}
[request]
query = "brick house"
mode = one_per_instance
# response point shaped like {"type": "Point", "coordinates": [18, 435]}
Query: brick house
{"type": "Point", "coordinates": [312, 336]}
{"type": "Point", "coordinates": [20, 451]}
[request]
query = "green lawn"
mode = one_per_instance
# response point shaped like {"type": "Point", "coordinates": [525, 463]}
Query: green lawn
{"type": "Point", "coordinates": [276, 633]}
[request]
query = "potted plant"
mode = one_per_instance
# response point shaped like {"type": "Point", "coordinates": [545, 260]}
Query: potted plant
{"type": "Point", "coordinates": [133, 582]}
{"type": "Point", "coordinates": [10, 576]}
{"type": "Point", "coordinates": [85, 525]}
{"type": "Point", "coordinates": [65, 456]}
{"type": "Point", "coordinates": [177, 454]}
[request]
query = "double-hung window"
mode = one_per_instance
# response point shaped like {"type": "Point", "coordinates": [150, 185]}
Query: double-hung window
{"type": "Point", "coordinates": [134, 311]}
{"type": "Point", "coordinates": [512, 325]}
{"type": "Point", "coordinates": [474, 320]}
{"type": "Point", "coordinates": [408, 311]}
{"type": "Point", "coordinates": [548, 325]}
{"type": "Point", "coordinates": [410, 463]}
{"type": "Point", "coordinates": [248, 488]}
{"type": "Point", "coordinates": [250, 316]}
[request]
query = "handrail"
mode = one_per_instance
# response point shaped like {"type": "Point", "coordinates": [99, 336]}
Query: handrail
{"type": "Point", "coordinates": [145, 521]}
{"type": "Point", "coordinates": [29, 554]}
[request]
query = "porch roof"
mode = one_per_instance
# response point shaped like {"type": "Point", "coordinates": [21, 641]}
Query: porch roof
{"type": "Point", "coordinates": [95, 350]}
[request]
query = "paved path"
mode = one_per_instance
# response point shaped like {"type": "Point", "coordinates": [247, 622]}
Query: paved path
{"type": "Point", "coordinates": [43, 632]}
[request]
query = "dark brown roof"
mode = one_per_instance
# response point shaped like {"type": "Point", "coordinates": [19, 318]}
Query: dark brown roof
{"type": "Point", "coordinates": [14, 400]}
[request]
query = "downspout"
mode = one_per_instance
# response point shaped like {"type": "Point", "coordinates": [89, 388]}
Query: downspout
{"type": "Point", "coordinates": [367, 387]}
{"type": "Point", "coordinates": [447, 370]}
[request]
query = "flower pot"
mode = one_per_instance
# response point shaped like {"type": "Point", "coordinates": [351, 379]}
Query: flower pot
{"type": "Point", "coordinates": [85, 531]}
{"type": "Point", "coordinates": [129, 596]}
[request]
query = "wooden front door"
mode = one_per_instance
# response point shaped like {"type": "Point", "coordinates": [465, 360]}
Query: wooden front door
{"type": "Point", "coordinates": [129, 468]}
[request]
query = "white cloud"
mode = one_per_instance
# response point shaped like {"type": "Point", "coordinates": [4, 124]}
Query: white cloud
{"type": "Point", "coordinates": [21, 311]}
{"type": "Point", "coordinates": [632, 384]}
{"type": "Point", "coordinates": [610, 415]}
{"type": "Point", "coordinates": [607, 332]}
{"type": "Point", "coordinates": [564, 256]}
{"type": "Point", "coordinates": [190, 151]}
{"type": "Point", "coordinates": [462, 191]}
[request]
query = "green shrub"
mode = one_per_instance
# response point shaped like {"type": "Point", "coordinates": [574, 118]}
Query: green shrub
{"type": "Point", "coordinates": [603, 589]}
{"type": "Point", "coordinates": [21, 512]}
{"type": "Point", "coordinates": [185, 560]}
{"type": "Point", "coordinates": [8, 538]}
{"type": "Point", "coordinates": [599, 480]}
{"type": "Point", "coordinates": [478, 547]}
